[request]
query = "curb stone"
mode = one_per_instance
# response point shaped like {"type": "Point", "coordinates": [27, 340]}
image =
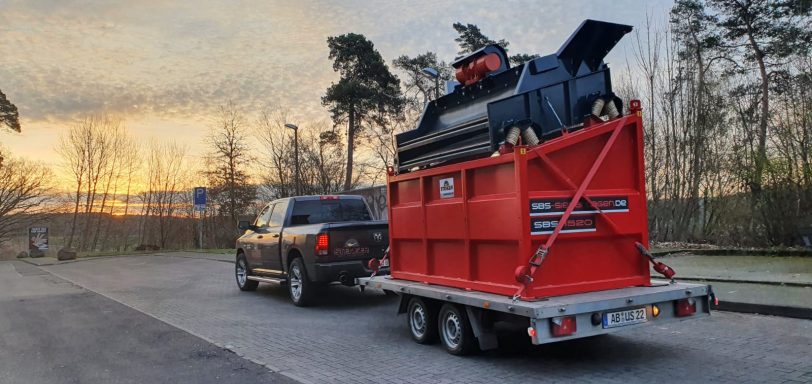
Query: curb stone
{"type": "Point", "coordinates": [765, 309]}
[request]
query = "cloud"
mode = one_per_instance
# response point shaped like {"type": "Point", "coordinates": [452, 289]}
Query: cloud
{"type": "Point", "coordinates": [64, 59]}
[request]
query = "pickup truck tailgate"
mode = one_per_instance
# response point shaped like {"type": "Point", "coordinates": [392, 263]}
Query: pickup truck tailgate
{"type": "Point", "coordinates": [358, 240]}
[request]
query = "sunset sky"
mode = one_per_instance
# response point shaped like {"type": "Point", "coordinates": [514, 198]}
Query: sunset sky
{"type": "Point", "coordinates": [165, 66]}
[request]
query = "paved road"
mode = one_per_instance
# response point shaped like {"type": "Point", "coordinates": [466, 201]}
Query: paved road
{"type": "Point", "coordinates": [355, 338]}
{"type": "Point", "coordinates": [52, 331]}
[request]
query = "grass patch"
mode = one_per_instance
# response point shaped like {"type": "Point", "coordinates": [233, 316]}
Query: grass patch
{"type": "Point", "coordinates": [222, 251]}
{"type": "Point", "coordinates": [117, 253]}
{"type": "Point", "coordinates": [776, 252]}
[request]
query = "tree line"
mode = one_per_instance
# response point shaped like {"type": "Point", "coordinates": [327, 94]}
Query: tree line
{"type": "Point", "coordinates": [728, 120]}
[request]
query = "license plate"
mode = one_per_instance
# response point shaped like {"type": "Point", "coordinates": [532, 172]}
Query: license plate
{"type": "Point", "coordinates": [621, 318]}
{"type": "Point", "coordinates": [385, 262]}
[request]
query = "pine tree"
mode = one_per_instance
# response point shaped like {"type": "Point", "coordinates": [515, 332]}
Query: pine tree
{"type": "Point", "coordinates": [8, 114]}
{"type": "Point", "coordinates": [366, 93]}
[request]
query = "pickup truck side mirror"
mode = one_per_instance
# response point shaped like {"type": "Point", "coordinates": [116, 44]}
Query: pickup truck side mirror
{"type": "Point", "coordinates": [244, 225]}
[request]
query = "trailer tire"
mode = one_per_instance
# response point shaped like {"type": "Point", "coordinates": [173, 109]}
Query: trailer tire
{"type": "Point", "coordinates": [455, 330]}
{"type": "Point", "coordinates": [241, 272]}
{"type": "Point", "coordinates": [300, 288]}
{"type": "Point", "coordinates": [421, 317]}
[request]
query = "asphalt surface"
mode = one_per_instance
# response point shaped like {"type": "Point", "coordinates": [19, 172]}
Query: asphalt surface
{"type": "Point", "coordinates": [52, 331]}
{"type": "Point", "coordinates": [353, 337]}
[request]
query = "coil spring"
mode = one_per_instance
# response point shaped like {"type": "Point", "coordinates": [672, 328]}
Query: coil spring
{"type": "Point", "coordinates": [512, 136]}
{"type": "Point", "coordinates": [597, 107]}
{"type": "Point", "coordinates": [611, 110]}
{"type": "Point", "coordinates": [529, 136]}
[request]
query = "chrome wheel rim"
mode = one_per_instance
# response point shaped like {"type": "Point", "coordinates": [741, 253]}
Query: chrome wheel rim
{"type": "Point", "coordinates": [295, 282]}
{"type": "Point", "coordinates": [418, 321]}
{"type": "Point", "coordinates": [452, 331]}
{"type": "Point", "coordinates": [242, 272]}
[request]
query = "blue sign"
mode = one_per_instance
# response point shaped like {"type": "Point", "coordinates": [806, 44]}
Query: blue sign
{"type": "Point", "coordinates": [200, 197]}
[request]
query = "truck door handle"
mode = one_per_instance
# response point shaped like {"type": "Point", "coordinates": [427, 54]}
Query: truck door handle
{"type": "Point", "coordinates": [259, 237]}
{"type": "Point", "coordinates": [275, 235]}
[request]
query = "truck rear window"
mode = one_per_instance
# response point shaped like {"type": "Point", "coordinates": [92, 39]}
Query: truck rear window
{"type": "Point", "coordinates": [328, 211]}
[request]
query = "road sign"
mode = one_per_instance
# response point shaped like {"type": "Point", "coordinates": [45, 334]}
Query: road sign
{"type": "Point", "coordinates": [38, 238]}
{"type": "Point", "coordinates": [200, 198]}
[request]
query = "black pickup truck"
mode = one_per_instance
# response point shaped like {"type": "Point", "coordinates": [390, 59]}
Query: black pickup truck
{"type": "Point", "coordinates": [307, 242]}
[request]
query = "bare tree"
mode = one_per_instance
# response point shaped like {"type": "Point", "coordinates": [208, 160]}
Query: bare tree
{"type": "Point", "coordinates": [230, 155]}
{"type": "Point", "coordinates": [88, 152]}
{"type": "Point", "coordinates": [131, 162]}
{"type": "Point", "coordinates": [117, 141]}
{"type": "Point", "coordinates": [73, 150]}
{"type": "Point", "coordinates": [327, 157]}
{"type": "Point", "coordinates": [647, 53]}
{"type": "Point", "coordinates": [276, 151]}
{"type": "Point", "coordinates": [24, 194]}
{"type": "Point", "coordinates": [321, 156]}
{"type": "Point", "coordinates": [169, 182]}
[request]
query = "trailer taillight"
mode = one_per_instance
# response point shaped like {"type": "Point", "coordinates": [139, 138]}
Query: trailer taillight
{"type": "Point", "coordinates": [685, 307]}
{"type": "Point", "coordinates": [322, 244]}
{"type": "Point", "coordinates": [562, 326]}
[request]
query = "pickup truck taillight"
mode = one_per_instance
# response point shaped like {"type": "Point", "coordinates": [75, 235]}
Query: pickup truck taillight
{"type": "Point", "coordinates": [322, 244]}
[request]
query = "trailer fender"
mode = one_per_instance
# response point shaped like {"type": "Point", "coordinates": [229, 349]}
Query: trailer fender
{"type": "Point", "coordinates": [487, 339]}
{"type": "Point", "coordinates": [404, 303]}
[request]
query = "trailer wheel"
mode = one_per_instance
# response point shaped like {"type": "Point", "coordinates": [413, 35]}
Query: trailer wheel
{"type": "Point", "coordinates": [455, 330]}
{"type": "Point", "coordinates": [422, 321]}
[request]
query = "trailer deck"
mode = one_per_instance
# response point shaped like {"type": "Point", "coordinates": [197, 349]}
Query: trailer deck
{"type": "Point", "coordinates": [582, 306]}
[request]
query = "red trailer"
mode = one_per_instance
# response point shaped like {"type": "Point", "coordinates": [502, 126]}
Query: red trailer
{"type": "Point", "coordinates": [549, 232]}
{"type": "Point", "coordinates": [460, 225]}
{"type": "Point", "coordinates": [544, 236]}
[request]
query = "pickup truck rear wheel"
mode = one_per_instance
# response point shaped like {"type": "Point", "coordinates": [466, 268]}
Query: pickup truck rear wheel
{"type": "Point", "coordinates": [299, 285]}
{"type": "Point", "coordinates": [241, 272]}
{"type": "Point", "coordinates": [422, 320]}
{"type": "Point", "coordinates": [455, 330]}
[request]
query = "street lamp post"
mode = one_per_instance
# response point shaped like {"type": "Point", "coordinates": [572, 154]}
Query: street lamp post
{"type": "Point", "coordinates": [432, 73]}
{"type": "Point", "coordinates": [296, 155]}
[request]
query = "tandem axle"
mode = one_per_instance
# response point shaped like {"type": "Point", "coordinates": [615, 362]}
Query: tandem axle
{"type": "Point", "coordinates": [464, 320]}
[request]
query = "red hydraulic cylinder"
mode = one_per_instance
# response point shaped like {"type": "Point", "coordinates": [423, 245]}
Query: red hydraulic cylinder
{"type": "Point", "coordinates": [476, 69]}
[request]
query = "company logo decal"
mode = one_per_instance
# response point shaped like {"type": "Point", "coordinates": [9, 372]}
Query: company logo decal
{"type": "Point", "coordinates": [574, 224]}
{"type": "Point", "coordinates": [557, 206]}
{"type": "Point", "coordinates": [446, 188]}
{"type": "Point", "coordinates": [352, 243]}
